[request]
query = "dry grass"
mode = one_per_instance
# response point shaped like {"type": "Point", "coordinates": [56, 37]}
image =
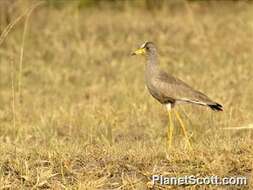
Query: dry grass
{"type": "Point", "coordinates": [83, 118]}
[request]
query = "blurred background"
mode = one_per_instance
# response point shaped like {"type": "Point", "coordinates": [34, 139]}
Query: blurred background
{"type": "Point", "coordinates": [74, 111]}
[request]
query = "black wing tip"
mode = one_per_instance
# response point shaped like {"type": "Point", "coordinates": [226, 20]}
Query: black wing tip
{"type": "Point", "coordinates": [216, 107]}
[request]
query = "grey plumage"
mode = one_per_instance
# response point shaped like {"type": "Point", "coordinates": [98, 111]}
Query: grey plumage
{"type": "Point", "coordinates": [168, 89]}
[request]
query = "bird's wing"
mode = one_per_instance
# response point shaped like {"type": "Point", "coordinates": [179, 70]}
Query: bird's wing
{"type": "Point", "coordinates": [178, 90]}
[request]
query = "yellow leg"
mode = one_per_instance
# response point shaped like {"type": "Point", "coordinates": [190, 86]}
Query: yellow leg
{"type": "Point", "coordinates": [184, 130]}
{"type": "Point", "coordinates": [170, 130]}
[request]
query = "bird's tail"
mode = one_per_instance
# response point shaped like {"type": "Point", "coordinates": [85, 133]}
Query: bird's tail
{"type": "Point", "coordinates": [216, 107]}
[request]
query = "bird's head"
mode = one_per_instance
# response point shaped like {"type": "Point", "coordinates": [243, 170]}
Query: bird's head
{"type": "Point", "coordinates": [145, 48]}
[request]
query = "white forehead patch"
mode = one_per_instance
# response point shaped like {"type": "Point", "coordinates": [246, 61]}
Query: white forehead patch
{"type": "Point", "coordinates": [143, 45]}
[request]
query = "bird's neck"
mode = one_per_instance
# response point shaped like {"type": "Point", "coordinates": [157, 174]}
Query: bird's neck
{"type": "Point", "coordinates": [152, 64]}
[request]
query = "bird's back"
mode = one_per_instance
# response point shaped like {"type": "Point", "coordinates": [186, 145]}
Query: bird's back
{"type": "Point", "coordinates": [167, 88]}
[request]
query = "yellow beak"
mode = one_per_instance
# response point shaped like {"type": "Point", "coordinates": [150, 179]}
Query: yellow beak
{"type": "Point", "coordinates": [139, 51]}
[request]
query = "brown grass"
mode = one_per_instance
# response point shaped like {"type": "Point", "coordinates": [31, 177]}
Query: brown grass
{"type": "Point", "coordinates": [86, 120]}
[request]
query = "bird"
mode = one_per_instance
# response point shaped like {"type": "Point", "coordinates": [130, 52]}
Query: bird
{"type": "Point", "coordinates": [169, 90]}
